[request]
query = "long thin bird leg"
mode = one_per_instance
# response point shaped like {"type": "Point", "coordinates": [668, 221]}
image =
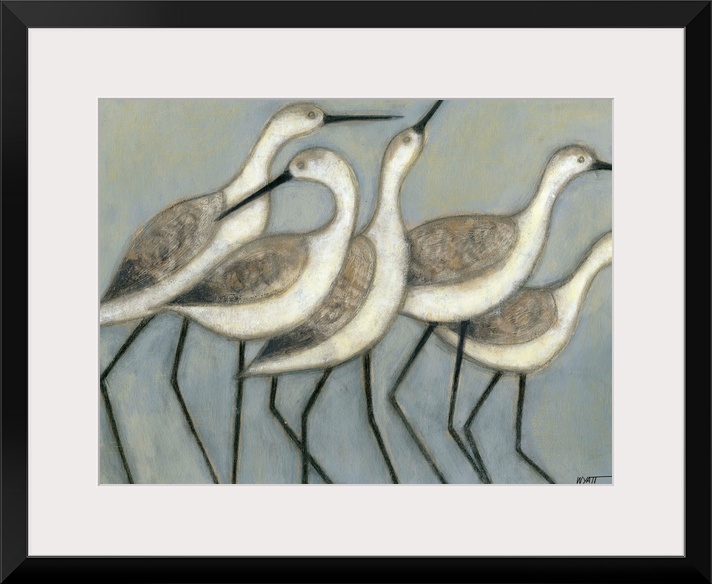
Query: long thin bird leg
{"type": "Point", "coordinates": [184, 407]}
{"type": "Point", "coordinates": [305, 418]}
{"type": "Point", "coordinates": [401, 414]}
{"type": "Point", "coordinates": [453, 399]}
{"type": "Point", "coordinates": [292, 436]}
{"type": "Point", "coordinates": [520, 409]}
{"type": "Point", "coordinates": [105, 393]}
{"type": "Point", "coordinates": [115, 430]}
{"type": "Point", "coordinates": [238, 411]}
{"type": "Point", "coordinates": [468, 425]}
{"type": "Point", "coordinates": [372, 417]}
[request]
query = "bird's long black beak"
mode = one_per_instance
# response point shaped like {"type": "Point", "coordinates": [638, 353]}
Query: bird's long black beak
{"type": "Point", "coordinates": [329, 119]}
{"type": "Point", "coordinates": [600, 165]}
{"type": "Point", "coordinates": [281, 179]}
{"type": "Point", "coordinates": [420, 126]}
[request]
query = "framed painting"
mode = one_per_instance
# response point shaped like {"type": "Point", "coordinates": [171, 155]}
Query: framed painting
{"type": "Point", "coordinates": [351, 267]}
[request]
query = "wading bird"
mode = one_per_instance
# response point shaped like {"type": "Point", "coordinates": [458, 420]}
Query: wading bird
{"type": "Point", "coordinates": [175, 249]}
{"type": "Point", "coordinates": [276, 282]}
{"type": "Point", "coordinates": [462, 266]}
{"type": "Point", "coordinates": [365, 300]}
{"type": "Point", "coordinates": [526, 333]}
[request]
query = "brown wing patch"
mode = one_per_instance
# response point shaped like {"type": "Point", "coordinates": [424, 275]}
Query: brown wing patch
{"type": "Point", "coordinates": [346, 298]}
{"type": "Point", "coordinates": [265, 267]}
{"type": "Point", "coordinates": [166, 243]}
{"type": "Point", "coordinates": [455, 249]}
{"type": "Point", "coordinates": [523, 318]}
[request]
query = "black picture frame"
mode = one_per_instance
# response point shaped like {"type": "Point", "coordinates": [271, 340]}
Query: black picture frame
{"type": "Point", "coordinates": [693, 17]}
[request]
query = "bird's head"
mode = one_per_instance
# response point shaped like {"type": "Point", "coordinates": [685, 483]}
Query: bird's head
{"type": "Point", "coordinates": [301, 119]}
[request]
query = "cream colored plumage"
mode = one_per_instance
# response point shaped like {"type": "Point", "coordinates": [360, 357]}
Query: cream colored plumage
{"type": "Point", "coordinates": [179, 246]}
{"type": "Point", "coordinates": [530, 329]}
{"type": "Point", "coordinates": [176, 248]}
{"type": "Point", "coordinates": [526, 333]}
{"type": "Point", "coordinates": [463, 266]}
{"type": "Point", "coordinates": [367, 297]}
{"type": "Point", "coordinates": [275, 283]}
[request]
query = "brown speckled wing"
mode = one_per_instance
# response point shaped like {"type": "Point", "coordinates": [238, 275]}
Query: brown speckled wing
{"type": "Point", "coordinates": [346, 298]}
{"type": "Point", "coordinates": [166, 243]}
{"type": "Point", "coordinates": [523, 318]}
{"type": "Point", "coordinates": [459, 248]}
{"type": "Point", "coordinates": [265, 267]}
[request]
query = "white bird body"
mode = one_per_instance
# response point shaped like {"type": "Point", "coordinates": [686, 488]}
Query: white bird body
{"type": "Point", "coordinates": [463, 267]}
{"type": "Point", "coordinates": [181, 250]}
{"type": "Point", "coordinates": [370, 291]}
{"type": "Point", "coordinates": [176, 248]}
{"type": "Point", "coordinates": [321, 254]}
{"type": "Point", "coordinates": [514, 243]}
{"type": "Point", "coordinates": [374, 317]}
{"type": "Point", "coordinates": [232, 232]}
{"type": "Point", "coordinates": [246, 225]}
{"type": "Point", "coordinates": [558, 320]}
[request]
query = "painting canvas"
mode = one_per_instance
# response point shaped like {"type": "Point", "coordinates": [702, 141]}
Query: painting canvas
{"type": "Point", "coordinates": [355, 291]}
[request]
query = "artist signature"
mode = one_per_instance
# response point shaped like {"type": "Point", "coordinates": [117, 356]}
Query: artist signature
{"type": "Point", "coordinates": [591, 480]}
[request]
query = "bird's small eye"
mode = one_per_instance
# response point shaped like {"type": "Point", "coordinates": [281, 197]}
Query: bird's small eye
{"type": "Point", "coordinates": [580, 159]}
{"type": "Point", "coordinates": [311, 115]}
{"type": "Point", "coordinates": [300, 165]}
{"type": "Point", "coordinates": [406, 140]}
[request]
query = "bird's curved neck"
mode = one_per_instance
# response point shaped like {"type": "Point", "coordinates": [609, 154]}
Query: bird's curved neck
{"type": "Point", "coordinates": [388, 204]}
{"type": "Point", "coordinates": [255, 172]}
{"type": "Point", "coordinates": [340, 228]}
{"type": "Point", "coordinates": [534, 218]}
{"type": "Point", "coordinates": [573, 292]}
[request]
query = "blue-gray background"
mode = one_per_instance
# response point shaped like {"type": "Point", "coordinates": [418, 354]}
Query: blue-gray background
{"type": "Point", "coordinates": [481, 156]}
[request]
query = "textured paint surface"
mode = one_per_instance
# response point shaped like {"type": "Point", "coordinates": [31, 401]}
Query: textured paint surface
{"type": "Point", "coordinates": [482, 156]}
